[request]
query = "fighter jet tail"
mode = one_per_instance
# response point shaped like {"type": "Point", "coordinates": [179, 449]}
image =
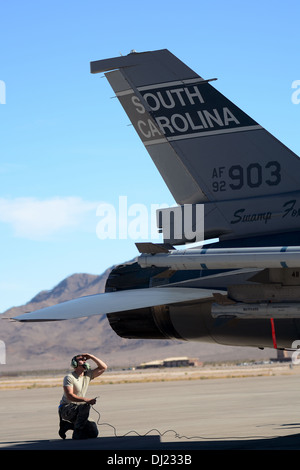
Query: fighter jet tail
{"type": "Point", "coordinates": [206, 148]}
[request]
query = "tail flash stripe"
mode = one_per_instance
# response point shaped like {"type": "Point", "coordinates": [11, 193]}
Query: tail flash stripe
{"type": "Point", "coordinates": [205, 134]}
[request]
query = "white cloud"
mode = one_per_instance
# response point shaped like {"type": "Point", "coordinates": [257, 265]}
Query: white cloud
{"type": "Point", "coordinates": [39, 219]}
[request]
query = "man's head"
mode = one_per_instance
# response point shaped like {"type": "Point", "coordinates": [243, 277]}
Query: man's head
{"type": "Point", "coordinates": [80, 361]}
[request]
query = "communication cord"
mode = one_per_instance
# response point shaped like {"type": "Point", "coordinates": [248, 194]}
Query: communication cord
{"type": "Point", "coordinates": [177, 436]}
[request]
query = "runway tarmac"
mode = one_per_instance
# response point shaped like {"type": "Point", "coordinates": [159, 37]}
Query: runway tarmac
{"type": "Point", "coordinates": [250, 413]}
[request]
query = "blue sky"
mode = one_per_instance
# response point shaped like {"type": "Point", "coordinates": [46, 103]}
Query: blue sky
{"type": "Point", "coordinates": [65, 145]}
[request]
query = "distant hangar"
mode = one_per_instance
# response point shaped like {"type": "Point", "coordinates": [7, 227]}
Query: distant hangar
{"type": "Point", "coordinates": [171, 362]}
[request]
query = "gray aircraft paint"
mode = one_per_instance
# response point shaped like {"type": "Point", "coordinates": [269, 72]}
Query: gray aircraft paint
{"type": "Point", "coordinates": [206, 148]}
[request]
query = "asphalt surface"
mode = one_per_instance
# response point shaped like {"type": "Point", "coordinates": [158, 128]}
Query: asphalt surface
{"type": "Point", "coordinates": [251, 413]}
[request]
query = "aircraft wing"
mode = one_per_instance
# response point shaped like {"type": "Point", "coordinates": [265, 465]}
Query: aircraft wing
{"type": "Point", "coordinates": [120, 301]}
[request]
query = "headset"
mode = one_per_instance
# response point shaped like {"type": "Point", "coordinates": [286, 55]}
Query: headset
{"type": "Point", "coordinates": [74, 363]}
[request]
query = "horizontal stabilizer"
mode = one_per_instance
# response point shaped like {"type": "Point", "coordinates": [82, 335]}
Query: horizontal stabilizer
{"type": "Point", "coordinates": [111, 302]}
